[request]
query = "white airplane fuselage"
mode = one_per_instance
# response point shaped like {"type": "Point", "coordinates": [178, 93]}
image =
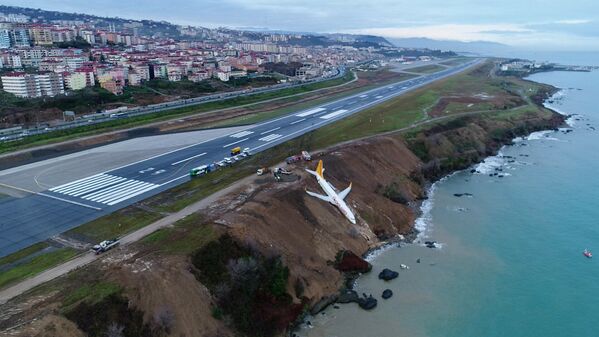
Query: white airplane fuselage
{"type": "Point", "coordinates": [337, 199]}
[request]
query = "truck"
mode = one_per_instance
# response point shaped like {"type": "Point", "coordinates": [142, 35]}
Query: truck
{"type": "Point", "coordinates": [201, 170]}
{"type": "Point", "coordinates": [105, 246]}
{"type": "Point", "coordinates": [306, 156]}
{"type": "Point", "coordinates": [293, 159]}
{"type": "Point", "coordinates": [262, 171]}
{"type": "Point", "coordinates": [235, 151]}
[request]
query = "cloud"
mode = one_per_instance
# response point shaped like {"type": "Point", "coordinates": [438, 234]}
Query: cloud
{"type": "Point", "coordinates": [572, 22]}
{"type": "Point", "coordinates": [280, 7]}
{"type": "Point", "coordinates": [460, 32]}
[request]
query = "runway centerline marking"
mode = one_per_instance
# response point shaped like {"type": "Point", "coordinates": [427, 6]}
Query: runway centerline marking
{"type": "Point", "coordinates": [237, 142]}
{"type": "Point", "coordinates": [186, 159]}
{"type": "Point", "coordinates": [297, 121]}
{"type": "Point", "coordinates": [269, 131]}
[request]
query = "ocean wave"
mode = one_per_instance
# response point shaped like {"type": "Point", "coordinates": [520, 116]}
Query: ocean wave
{"type": "Point", "coordinates": [490, 164]}
{"type": "Point", "coordinates": [541, 135]}
{"type": "Point", "coordinates": [424, 222]}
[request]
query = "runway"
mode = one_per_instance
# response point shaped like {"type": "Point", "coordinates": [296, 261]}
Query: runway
{"type": "Point", "coordinates": [53, 209]}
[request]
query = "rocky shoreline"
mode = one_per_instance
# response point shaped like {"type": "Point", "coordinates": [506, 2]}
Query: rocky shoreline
{"type": "Point", "coordinates": [347, 294]}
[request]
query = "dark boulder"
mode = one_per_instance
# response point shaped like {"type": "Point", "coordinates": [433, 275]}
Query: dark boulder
{"type": "Point", "coordinates": [367, 303]}
{"type": "Point", "coordinates": [348, 296]}
{"type": "Point", "coordinates": [323, 304]}
{"type": "Point", "coordinates": [430, 244]}
{"type": "Point", "coordinates": [387, 293]}
{"type": "Point", "coordinates": [348, 262]}
{"type": "Point", "coordinates": [388, 274]}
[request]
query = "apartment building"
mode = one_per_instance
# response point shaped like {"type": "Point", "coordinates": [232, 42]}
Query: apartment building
{"type": "Point", "coordinates": [4, 39]}
{"type": "Point", "coordinates": [41, 35]}
{"type": "Point", "coordinates": [33, 85]}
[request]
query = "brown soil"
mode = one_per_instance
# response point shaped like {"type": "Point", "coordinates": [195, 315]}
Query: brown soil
{"type": "Point", "coordinates": [158, 284]}
{"type": "Point", "coordinates": [280, 219]}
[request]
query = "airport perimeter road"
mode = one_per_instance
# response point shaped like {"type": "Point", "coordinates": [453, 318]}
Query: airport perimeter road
{"type": "Point", "coordinates": [39, 215]}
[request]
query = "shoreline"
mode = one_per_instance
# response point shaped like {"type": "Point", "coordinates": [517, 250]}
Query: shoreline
{"type": "Point", "coordinates": [421, 224]}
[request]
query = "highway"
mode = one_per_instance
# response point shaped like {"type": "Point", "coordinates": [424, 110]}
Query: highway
{"type": "Point", "coordinates": [40, 215]}
{"type": "Point", "coordinates": [16, 133]}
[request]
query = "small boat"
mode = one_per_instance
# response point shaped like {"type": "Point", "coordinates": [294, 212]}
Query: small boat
{"type": "Point", "coordinates": [587, 253]}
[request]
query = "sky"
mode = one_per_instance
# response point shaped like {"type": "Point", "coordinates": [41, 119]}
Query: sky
{"type": "Point", "coordinates": [571, 25]}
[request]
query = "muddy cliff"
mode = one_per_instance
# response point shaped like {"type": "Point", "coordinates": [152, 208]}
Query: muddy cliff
{"type": "Point", "coordinates": [275, 252]}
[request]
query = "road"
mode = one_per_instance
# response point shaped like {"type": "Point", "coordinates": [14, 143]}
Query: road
{"type": "Point", "coordinates": [18, 133]}
{"type": "Point", "coordinates": [89, 257]}
{"type": "Point", "coordinates": [42, 214]}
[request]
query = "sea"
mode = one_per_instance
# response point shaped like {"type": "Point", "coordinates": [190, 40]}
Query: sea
{"type": "Point", "coordinates": [510, 260]}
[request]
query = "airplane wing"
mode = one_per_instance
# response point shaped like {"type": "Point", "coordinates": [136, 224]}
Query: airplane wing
{"type": "Point", "coordinates": [319, 196]}
{"type": "Point", "coordinates": [345, 192]}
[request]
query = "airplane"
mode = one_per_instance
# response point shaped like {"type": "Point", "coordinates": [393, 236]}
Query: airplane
{"type": "Point", "coordinates": [332, 196]}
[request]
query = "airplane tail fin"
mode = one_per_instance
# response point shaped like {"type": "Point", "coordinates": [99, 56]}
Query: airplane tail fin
{"type": "Point", "coordinates": [320, 169]}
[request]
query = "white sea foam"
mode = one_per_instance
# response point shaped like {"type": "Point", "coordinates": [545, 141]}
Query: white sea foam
{"type": "Point", "coordinates": [556, 100]}
{"type": "Point", "coordinates": [541, 135]}
{"type": "Point", "coordinates": [424, 222]}
{"type": "Point", "coordinates": [489, 165]}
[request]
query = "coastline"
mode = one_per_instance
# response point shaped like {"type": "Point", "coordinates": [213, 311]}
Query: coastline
{"type": "Point", "coordinates": [421, 226]}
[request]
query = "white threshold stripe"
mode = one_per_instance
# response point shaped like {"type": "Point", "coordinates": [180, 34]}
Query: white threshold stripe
{"type": "Point", "coordinates": [269, 131]}
{"type": "Point", "coordinates": [310, 112]}
{"type": "Point", "coordinates": [380, 96]}
{"type": "Point", "coordinates": [74, 182]}
{"type": "Point", "coordinates": [120, 194]}
{"type": "Point", "coordinates": [363, 96]}
{"type": "Point", "coordinates": [117, 194]}
{"type": "Point", "coordinates": [297, 121]}
{"type": "Point", "coordinates": [51, 197]}
{"type": "Point", "coordinates": [132, 195]}
{"type": "Point", "coordinates": [112, 189]}
{"type": "Point", "coordinates": [90, 187]}
{"type": "Point", "coordinates": [127, 194]}
{"type": "Point", "coordinates": [186, 159]}
{"type": "Point", "coordinates": [239, 141]}
{"type": "Point", "coordinates": [123, 192]}
{"type": "Point", "coordinates": [334, 114]}
{"type": "Point", "coordinates": [80, 184]}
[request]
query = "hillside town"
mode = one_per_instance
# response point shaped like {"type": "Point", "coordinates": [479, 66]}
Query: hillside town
{"type": "Point", "coordinates": [48, 58]}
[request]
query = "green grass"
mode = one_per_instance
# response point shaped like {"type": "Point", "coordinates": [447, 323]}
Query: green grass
{"type": "Point", "coordinates": [192, 232]}
{"type": "Point", "coordinates": [428, 69]}
{"type": "Point", "coordinates": [115, 224]}
{"type": "Point", "coordinates": [260, 116]}
{"type": "Point", "coordinates": [92, 293]}
{"type": "Point", "coordinates": [36, 266]}
{"type": "Point", "coordinates": [117, 124]}
{"type": "Point", "coordinates": [23, 253]}
{"type": "Point", "coordinates": [186, 236]}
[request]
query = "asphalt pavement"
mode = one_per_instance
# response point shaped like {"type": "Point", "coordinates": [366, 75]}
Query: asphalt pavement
{"type": "Point", "coordinates": [40, 215]}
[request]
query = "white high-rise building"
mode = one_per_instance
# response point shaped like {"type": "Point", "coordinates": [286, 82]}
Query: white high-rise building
{"type": "Point", "coordinates": [4, 39]}
{"type": "Point", "coordinates": [33, 85]}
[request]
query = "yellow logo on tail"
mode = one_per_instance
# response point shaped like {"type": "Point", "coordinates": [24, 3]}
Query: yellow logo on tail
{"type": "Point", "coordinates": [319, 169]}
